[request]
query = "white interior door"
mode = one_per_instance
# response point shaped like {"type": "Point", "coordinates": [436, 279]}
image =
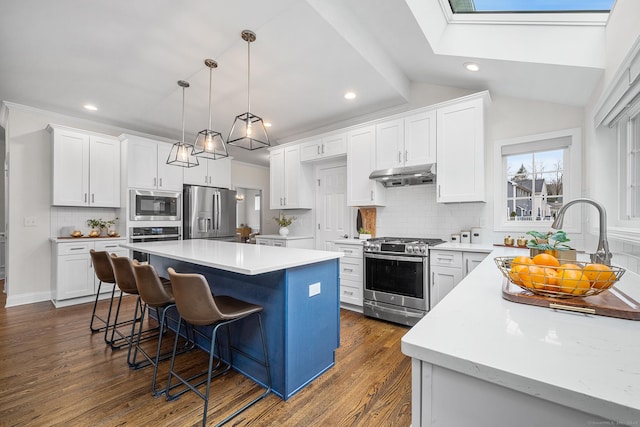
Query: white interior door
{"type": "Point", "coordinates": [332, 212]}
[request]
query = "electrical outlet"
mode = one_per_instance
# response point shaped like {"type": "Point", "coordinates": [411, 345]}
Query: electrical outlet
{"type": "Point", "coordinates": [30, 221]}
{"type": "Point", "coordinates": [314, 289]}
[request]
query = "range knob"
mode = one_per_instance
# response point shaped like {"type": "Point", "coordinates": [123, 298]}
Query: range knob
{"type": "Point", "coordinates": [423, 249]}
{"type": "Point", "coordinates": [376, 247]}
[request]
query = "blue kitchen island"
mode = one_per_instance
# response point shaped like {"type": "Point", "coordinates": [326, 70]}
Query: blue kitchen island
{"type": "Point", "coordinates": [298, 288]}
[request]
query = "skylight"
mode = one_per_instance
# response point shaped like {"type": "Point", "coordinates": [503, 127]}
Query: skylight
{"type": "Point", "coordinates": [530, 6]}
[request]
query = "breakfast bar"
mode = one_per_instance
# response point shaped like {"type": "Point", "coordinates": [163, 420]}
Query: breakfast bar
{"type": "Point", "coordinates": [297, 288]}
{"type": "Point", "coordinates": [478, 359]}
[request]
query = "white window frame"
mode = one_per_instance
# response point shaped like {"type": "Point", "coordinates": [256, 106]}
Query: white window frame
{"type": "Point", "coordinates": [572, 181]}
{"type": "Point", "coordinates": [625, 228]}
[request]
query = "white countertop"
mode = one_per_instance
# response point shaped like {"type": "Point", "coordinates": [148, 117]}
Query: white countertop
{"type": "Point", "coordinates": [237, 257]}
{"type": "Point", "coordinates": [85, 239]}
{"type": "Point", "coordinates": [279, 237]}
{"type": "Point", "coordinates": [587, 362]}
{"type": "Point", "coordinates": [465, 247]}
{"type": "Point", "coordinates": [357, 242]}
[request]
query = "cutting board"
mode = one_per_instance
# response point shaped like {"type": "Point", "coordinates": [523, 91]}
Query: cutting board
{"type": "Point", "coordinates": [612, 302]}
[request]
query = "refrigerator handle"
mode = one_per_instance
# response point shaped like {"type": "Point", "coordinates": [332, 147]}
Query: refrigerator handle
{"type": "Point", "coordinates": [218, 211]}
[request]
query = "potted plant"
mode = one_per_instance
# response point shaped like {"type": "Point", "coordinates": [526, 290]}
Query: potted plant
{"type": "Point", "coordinates": [364, 234]}
{"type": "Point", "coordinates": [284, 222]}
{"type": "Point", "coordinates": [99, 226]}
{"type": "Point", "coordinates": [552, 243]}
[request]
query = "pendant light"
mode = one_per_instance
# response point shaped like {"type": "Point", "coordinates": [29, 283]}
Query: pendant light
{"type": "Point", "coordinates": [209, 143]}
{"type": "Point", "coordinates": [248, 130]}
{"type": "Point", "coordinates": [181, 152]}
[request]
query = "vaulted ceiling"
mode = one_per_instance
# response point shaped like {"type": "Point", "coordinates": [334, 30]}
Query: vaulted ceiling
{"type": "Point", "coordinates": [126, 57]}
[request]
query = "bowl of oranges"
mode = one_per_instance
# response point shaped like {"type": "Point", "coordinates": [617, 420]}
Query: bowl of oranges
{"type": "Point", "coordinates": [545, 275]}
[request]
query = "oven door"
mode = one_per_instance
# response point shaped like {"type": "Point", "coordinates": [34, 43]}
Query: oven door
{"type": "Point", "coordinates": [397, 279]}
{"type": "Point", "coordinates": [154, 206]}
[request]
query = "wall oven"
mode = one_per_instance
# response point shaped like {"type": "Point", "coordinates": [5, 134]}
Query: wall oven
{"type": "Point", "coordinates": [151, 234]}
{"type": "Point", "coordinates": [146, 205]}
{"type": "Point", "coordinates": [396, 279]}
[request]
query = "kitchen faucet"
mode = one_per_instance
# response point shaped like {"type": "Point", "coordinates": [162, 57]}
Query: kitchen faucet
{"type": "Point", "coordinates": [602, 255]}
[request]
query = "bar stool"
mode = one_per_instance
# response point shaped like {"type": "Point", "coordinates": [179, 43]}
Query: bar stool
{"type": "Point", "coordinates": [157, 294]}
{"type": "Point", "coordinates": [126, 282]}
{"type": "Point", "coordinates": [199, 307]}
{"type": "Point", "coordinates": [104, 273]}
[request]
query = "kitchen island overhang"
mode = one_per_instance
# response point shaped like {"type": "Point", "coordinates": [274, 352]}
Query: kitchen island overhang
{"type": "Point", "coordinates": [298, 289]}
{"type": "Point", "coordinates": [513, 361]}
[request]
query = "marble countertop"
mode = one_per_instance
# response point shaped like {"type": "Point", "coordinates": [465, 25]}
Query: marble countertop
{"type": "Point", "coordinates": [357, 242]}
{"type": "Point", "coordinates": [235, 257]}
{"type": "Point", "coordinates": [465, 247]}
{"type": "Point", "coordinates": [582, 361]}
{"type": "Point", "coordinates": [279, 237]}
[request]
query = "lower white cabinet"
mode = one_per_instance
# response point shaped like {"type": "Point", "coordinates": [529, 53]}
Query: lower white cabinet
{"type": "Point", "coordinates": [73, 273]}
{"type": "Point", "coordinates": [448, 268]}
{"type": "Point", "coordinates": [283, 242]}
{"type": "Point", "coordinates": [351, 273]}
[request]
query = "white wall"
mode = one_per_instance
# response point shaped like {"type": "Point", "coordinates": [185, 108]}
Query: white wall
{"type": "Point", "coordinates": [245, 175]}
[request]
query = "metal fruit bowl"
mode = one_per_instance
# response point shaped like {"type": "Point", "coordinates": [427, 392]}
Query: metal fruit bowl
{"type": "Point", "coordinates": [565, 282]}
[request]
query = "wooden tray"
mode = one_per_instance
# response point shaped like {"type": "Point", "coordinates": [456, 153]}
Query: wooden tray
{"type": "Point", "coordinates": [612, 302]}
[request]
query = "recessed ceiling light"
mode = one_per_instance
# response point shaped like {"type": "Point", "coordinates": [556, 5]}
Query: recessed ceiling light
{"type": "Point", "coordinates": [90, 107]}
{"type": "Point", "coordinates": [267, 124]}
{"type": "Point", "coordinates": [349, 95]}
{"type": "Point", "coordinates": [471, 66]}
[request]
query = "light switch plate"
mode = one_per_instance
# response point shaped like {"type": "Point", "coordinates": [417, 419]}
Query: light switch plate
{"type": "Point", "coordinates": [30, 221]}
{"type": "Point", "coordinates": [314, 289]}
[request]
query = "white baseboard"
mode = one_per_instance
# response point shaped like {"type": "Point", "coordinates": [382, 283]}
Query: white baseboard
{"type": "Point", "coordinates": [30, 298]}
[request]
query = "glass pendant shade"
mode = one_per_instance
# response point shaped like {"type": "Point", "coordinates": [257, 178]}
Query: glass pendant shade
{"type": "Point", "coordinates": [248, 130]}
{"type": "Point", "coordinates": [209, 143]}
{"type": "Point", "coordinates": [181, 152]}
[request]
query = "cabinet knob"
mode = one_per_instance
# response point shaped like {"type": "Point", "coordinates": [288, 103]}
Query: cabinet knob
{"type": "Point", "coordinates": [160, 182]}
{"type": "Point", "coordinates": [155, 181]}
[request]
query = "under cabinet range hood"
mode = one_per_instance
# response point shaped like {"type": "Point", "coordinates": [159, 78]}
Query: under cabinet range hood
{"type": "Point", "coordinates": [408, 175]}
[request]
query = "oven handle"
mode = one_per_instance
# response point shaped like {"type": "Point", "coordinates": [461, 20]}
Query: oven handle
{"type": "Point", "coordinates": [395, 257]}
{"type": "Point", "coordinates": [156, 236]}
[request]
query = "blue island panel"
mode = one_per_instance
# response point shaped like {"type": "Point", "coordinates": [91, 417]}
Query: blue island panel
{"type": "Point", "coordinates": [302, 331]}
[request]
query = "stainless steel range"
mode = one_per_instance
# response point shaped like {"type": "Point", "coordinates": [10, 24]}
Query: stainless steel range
{"type": "Point", "coordinates": [396, 278]}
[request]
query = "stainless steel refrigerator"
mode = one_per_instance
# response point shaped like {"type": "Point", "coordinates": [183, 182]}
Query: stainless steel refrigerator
{"type": "Point", "coordinates": [209, 213]}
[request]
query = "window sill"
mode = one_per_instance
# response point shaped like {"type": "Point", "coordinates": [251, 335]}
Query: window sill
{"type": "Point", "coordinates": [631, 235]}
{"type": "Point", "coordinates": [524, 226]}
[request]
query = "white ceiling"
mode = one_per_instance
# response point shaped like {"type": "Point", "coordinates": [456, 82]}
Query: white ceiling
{"type": "Point", "coordinates": [126, 57]}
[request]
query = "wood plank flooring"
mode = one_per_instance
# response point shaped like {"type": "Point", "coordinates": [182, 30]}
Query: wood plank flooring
{"type": "Point", "coordinates": [53, 371]}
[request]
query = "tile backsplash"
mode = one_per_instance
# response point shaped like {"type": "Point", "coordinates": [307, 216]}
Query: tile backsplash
{"type": "Point", "coordinates": [63, 217]}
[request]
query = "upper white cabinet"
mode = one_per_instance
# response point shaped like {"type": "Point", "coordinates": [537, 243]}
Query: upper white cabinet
{"type": "Point", "coordinates": [460, 147]}
{"type": "Point", "coordinates": [323, 148]}
{"type": "Point", "coordinates": [406, 141]}
{"type": "Point", "coordinates": [290, 180]}
{"type": "Point", "coordinates": [361, 161]}
{"type": "Point", "coordinates": [147, 165]}
{"type": "Point", "coordinates": [213, 173]}
{"type": "Point", "coordinates": [86, 168]}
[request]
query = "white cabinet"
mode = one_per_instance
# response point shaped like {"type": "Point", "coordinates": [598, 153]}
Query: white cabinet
{"type": "Point", "coordinates": [300, 243]}
{"type": "Point", "coordinates": [361, 161]}
{"type": "Point", "coordinates": [460, 148]}
{"type": "Point", "coordinates": [290, 181]}
{"type": "Point", "coordinates": [406, 141]}
{"type": "Point", "coordinates": [213, 173]}
{"type": "Point", "coordinates": [351, 274]}
{"type": "Point", "coordinates": [86, 168]}
{"type": "Point", "coordinates": [324, 147]}
{"type": "Point", "coordinates": [73, 274]}
{"type": "Point", "coordinates": [448, 268]}
{"type": "Point", "coordinates": [147, 166]}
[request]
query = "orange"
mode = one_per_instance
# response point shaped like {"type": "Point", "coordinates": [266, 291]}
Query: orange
{"type": "Point", "coordinates": [551, 279]}
{"type": "Point", "coordinates": [515, 271]}
{"type": "Point", "coordinates": [522, 260]}
{"type": "Point", "coordinates": [599, 275]}
{"type": "Point", "coordinates": [571, 280]}
{"type": "Point", "coordinates": [547, 260]}
{"type": "Point", "coordinates": [533, 277]}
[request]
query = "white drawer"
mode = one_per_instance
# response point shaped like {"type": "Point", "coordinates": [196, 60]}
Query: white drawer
{"type": "Point", "coordinates": [446, 258]}
{"type": "Point", "coordinates": [74, 248]}
{"type": "Point", "coordinates": [351, 292]}
{"type": "Point", "coordinates": [351, 269]}
{"type": "Point", "coordinates": [109, 245]}
{"type": "Point", "coordinates": [350, 251]}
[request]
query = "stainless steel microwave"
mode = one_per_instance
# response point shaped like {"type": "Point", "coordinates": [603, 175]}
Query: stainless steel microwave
{"type": "Point", "coordinates": [145, 205]}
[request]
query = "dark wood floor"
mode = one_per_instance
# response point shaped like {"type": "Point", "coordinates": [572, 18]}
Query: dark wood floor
{"type": "Point", "coordinates": [53, 371]}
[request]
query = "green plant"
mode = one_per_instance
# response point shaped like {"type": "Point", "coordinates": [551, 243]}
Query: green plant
{"type": "Point", "coordinates": [283, 221]}
{"type": "Point", "coordinates": [100, 223]}
{"type": "Point", "coordinates": [363, 230]}
{"type": "Point", "coordinates": [548, 241]}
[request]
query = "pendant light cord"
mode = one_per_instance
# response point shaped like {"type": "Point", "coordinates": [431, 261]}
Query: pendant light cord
{"type": "Point", "coordinates": [210, 90]}
{"type": "Point", "coordinates": [248, 77]}
{"type": "Point", "coordinates": [182, 114]}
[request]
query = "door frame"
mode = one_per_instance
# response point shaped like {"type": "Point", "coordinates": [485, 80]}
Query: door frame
{"type": "Point", "coordinates": [328, 164]}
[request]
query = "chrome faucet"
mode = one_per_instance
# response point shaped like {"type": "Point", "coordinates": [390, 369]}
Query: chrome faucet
{"type": "Point", "coordinates": [602, 255]}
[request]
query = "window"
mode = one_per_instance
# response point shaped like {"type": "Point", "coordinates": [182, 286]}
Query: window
{"type": "Point", "coordinates": [537, 174]}
{"type": "Point", "coordinates": [531, 6]}
{"type": "Point", "coordinates": [629, 163]}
